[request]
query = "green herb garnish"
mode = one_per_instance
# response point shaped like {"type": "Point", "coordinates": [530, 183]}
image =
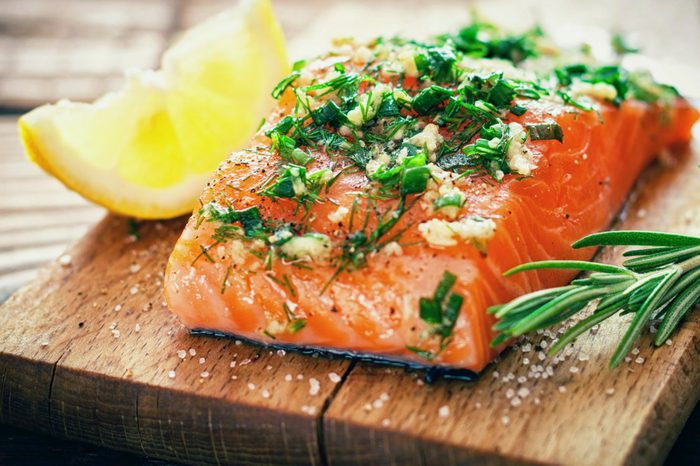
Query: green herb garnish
{"type": "Point", "coordinates": [294, 183]}
{"type": "Point", "coordinates": [440, 311]}
{"type": "Point", "coordinates": [661, 281]}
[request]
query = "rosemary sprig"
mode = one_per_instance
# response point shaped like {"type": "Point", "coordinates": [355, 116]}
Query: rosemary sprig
{"type": "Point", "coordinates": [660, 281]}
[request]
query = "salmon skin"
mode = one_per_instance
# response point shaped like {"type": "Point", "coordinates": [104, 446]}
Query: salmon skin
{"type": "Point", "coordinates": [429, 373]}
{"type": "Point", "coordinates": [378, 207]}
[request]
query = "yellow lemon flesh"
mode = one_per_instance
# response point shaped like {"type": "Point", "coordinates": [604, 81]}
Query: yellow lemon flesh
{"type": "Point", "coordinates": [148, 149]}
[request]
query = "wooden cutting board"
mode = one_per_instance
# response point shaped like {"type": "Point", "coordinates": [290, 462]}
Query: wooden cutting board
{"type": "Point", "coordinates": [88, 351]}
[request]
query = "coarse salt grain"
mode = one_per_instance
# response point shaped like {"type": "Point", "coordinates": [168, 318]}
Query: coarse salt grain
{"type": "Point", "coordinates": [251, 386]}
{"type": "Point", "coordinates": [385, 422]}
{"type": "Point", "coordinates": [308, 409]}
{"type": "Point", "coordinates": [523, 392]}
{"type": "Point", "coordinates": [117, 308]}
{"type": "Point", "coordinates": [335, 378]}
{"type": "Point", "coordinates": [134, 289]}
{"type": "Point", "coordinates": [137, 327]}
{"type": "Point", "coordinates": [204, 374]}
{"type": "Point", "coordinates": [515, 402]}
{"type": "Point", "coordinates": [610, 391]}
{"type": "Point", "coordinates": [635, 351]}
{"type": "Point", "coordinates": [444, 411]}
{"type": "Point", "coordinates": [202, 360]}
{"type": "Point", "coordinates": [288, 377]}
{"type": "Point", "coordinates": [134, 268]}
{"type": "Point", "coordinates": [505, 420]}
{"type": "Point", "coordinates": [181, 354]}
{"type": "Point", "coordinates": [510, 393]}
{"type": "Point", "coordinates": [562, 389]}
{"type": "Point", "coordinates": [639, 360]}
{"type": "Point", "coordinates": [573, 369]}
{"type": "Point", "coordinates": [171, 374]}
{"type": "Point", "coordinates": [265, 394]}
{"type": "Point", "coordinates": [314, 386]}
{"type": "Point", "coordinates": [193, 352]}
{"type": "Point", "coordinates": [668, 342]}
{"type": "Point", "coordinates": [377, 404]}
{"type": "Point", "coordinates": [232, 364]}
{"type": "Point", "coordinates": [65, 260]}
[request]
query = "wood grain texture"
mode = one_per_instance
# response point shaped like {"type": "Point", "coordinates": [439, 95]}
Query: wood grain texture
{"type": "Point", "coordinates": [38, 216]}
{"type": "Point", "coordinates": [95, 346]}
{"type": "Point", "coordinates": [64, 371]}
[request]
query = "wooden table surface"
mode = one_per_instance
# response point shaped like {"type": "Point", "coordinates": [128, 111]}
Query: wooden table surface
{"type": "Point", "coordinates": [78, 49]}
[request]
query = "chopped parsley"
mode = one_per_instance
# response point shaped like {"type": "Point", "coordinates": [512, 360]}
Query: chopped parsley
{"type": "Point", "coordinates": [440, 311]}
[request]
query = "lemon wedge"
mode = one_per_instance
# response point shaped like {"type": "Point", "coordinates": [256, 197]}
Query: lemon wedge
{"type": "Point", "coordinates": [148, 149]}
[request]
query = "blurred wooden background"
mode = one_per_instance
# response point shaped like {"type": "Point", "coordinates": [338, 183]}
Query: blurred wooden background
{"type": "Point", "coordinates": [78, 49]}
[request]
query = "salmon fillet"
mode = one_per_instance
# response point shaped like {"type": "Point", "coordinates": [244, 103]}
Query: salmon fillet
{"type": "Point", "coordinates": [316, 247]}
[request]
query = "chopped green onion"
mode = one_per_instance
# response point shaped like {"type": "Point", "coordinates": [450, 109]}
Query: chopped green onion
{"type": "Point", "coordinates": [284, 84]}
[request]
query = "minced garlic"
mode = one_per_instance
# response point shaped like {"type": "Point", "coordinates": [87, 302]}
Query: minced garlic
{"type": "Point", "coordinates": [238, 251]}
{"type": "Point", "coordinates": [275, 327]}
{"type": "Point", "coordinates": [441, 233]}
{"type": "Point", "coordinates": [408, 60]}
{"type": "Point", "coordinates": [596, 90]}
{"type": "Point", "coordinates": [279, 236]}
{"type": "Point", "coordinates": [368, 105]}
{"type": "Point", "coordinates": [393, 249]}
{"type": "Point", "coordinates": [430, 139]}
{"type": "Point", "coordinates": [518, 157]}
{"type": "Point", "coordinates": [338, 215]}
{"type": "Point", "coordinates": [313, 246]}
{"type": "Point", "coordinates": [379, 159]}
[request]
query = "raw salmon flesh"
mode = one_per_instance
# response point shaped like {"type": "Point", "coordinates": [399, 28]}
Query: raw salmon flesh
{"type": "Point", "coordinates": [379, 205]}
